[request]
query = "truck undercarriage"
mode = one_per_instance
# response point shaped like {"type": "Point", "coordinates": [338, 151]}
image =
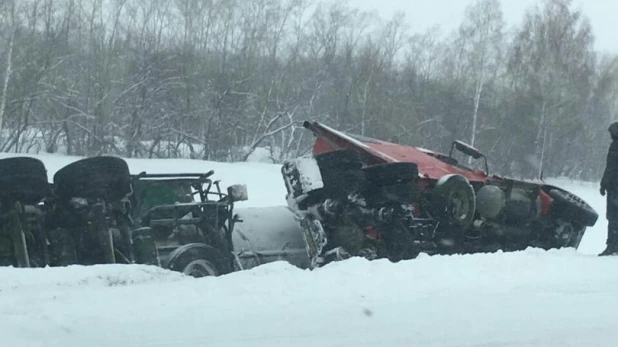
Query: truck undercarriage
{"type": "Point", "coordinates": [351, 201]}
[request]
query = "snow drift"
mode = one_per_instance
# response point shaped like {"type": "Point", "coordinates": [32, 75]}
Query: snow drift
{"type": "Point", "coordinates": [532, 298]}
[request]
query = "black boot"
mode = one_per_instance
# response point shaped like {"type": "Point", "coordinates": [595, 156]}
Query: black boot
{"type": "Point", "coordinates": [612, 244]}
{"type": "Point", "coordinates": [609, 250]}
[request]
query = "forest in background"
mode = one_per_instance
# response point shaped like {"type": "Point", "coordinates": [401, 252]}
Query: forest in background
{"type": "Point", "coordinates": [216, 79]}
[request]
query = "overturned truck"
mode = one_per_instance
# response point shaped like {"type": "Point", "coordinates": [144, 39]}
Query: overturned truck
{"type": "Point", "coordinates": [96, 212]}
{"type": "Point", "coordinates": [358, 196]}
{"type": "Point", "coordinates": [354, 196]}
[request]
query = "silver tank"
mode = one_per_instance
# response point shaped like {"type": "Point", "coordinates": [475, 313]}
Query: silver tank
{"type": "Point", "coordinates": [268, 234]}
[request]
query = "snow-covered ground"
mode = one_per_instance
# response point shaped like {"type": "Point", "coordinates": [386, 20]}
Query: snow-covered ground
{"type": "Point", "coordinates": [531, 298]}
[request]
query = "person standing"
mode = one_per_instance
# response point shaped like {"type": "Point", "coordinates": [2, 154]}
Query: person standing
{"type": "Point", "coordinates": [609, 186]}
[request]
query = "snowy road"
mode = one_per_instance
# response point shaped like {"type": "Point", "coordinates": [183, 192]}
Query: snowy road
{"type": "Point", "coordinates": [531, 298]}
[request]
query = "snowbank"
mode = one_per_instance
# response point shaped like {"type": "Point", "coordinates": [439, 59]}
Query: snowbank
{"type": "Point", "coordinates": [37, 279]}
{"type": "Point", "coordinates": [531, 298]}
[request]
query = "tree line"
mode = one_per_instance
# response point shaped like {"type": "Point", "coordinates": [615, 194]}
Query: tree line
{"type": "Point", "coordinates": [216, 79]}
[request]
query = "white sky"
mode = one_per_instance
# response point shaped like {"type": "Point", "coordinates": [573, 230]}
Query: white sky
{"type": "Point", "coordinates": [422, 14]}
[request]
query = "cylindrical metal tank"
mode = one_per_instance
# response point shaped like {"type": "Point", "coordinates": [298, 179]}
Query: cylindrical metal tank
{"type": "Point", "coordinates": [268, 234]}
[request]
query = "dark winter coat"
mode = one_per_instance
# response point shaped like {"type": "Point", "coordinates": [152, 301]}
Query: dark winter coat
{"type": "Point", "coordinates": [609, 181]}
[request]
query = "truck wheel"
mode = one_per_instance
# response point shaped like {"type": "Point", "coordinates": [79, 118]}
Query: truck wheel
{"type": "Point", "coordinates": [341, 172]}
{"type": "Point", "coordinates": [198, 260]}
{"type": "Point", "coordinates": [454, 201]}
{"type": "Point", "coordinates": [200, 268]}
{"type": "Point", "coordinates": [103, 177]}
{"type": "Point", "coordinates": [570, 207]}
{"type": "Point", "coordinates": [23, 179]}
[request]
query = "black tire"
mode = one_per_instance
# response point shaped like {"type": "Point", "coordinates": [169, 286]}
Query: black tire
{"type": "Point", "coordinates": [106, 178]}
{"type": "Point", "coordinates": [341, 173]}
{"type": "Point", "coordinates": [389, 174]}
{"type": "Point", "coordinates": [569, 207]}
{"type": "Point", "coordinates": [23, 179]}
{"type": "Point", "coordinates": [454, 201]}
{"type": "Point", "coordinates": [199, 260]}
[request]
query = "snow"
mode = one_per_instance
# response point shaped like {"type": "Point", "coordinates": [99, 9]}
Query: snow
{"type": "Point", "coordinates": [529, 298]}
{"type": "Point", "coordinates": [310, 177]}
{"type": "Point", "coordinates": [260, 155]}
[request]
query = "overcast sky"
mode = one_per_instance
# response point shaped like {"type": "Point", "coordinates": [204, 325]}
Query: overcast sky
{"type": "Point", "coordinates": [422, 14]}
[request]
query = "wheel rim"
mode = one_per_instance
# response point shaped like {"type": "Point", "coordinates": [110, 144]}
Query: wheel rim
{"type": "Point", "coordinates": [200, 268]}
{"type": "Point", "coordinates": [459, 206]}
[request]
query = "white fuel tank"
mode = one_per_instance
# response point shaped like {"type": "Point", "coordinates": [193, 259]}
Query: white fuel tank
{"type": "Point", "coordinates": [268, 234]}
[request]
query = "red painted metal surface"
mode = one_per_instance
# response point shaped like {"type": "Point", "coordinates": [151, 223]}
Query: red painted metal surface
{"type": "Point", "coordinates": [546, 202]}
{"type": "Point", "coordinates": [374, 151]}
{"type": "Point", "coordinates": [377, 151]}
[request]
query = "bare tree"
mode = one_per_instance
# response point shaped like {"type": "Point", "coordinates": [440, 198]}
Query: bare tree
{"type": "Point", "coordinates": [12, 26]}
{"type": "Point", "coordinates": [482, 33]}
{"type": "Point", "coordinates": [554, 59]}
